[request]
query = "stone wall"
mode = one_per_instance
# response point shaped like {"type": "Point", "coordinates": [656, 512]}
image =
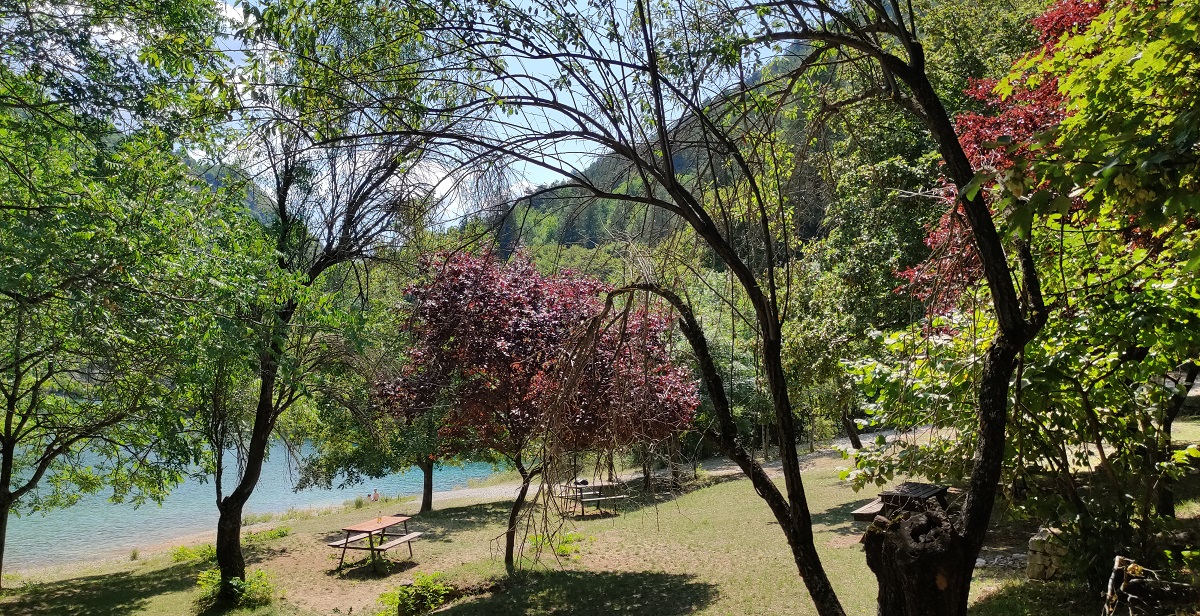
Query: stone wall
{"type": "Point", "coordinates": [1046, 551]}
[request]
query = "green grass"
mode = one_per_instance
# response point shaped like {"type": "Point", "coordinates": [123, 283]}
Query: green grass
{"type": "Point", "coordinates": [715, 550]}
{"type": "Point", "coordinates": [1186, 430]}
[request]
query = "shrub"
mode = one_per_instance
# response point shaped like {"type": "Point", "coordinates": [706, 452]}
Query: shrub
{"type": "Point", "coordinates": [425, 594]}
{"type": "Point", "coordinates": [257, 518]}
{"type": "Point", "coordinates": [254, 591]}
{"type": "Point", "coordinates": [202, 553]}
{"type": "Point", "coordinates": [266, 535]}
{"type": "Point", "coordinates": [564, 545]}
{"type": "Point", "coordinates": [133, 554]}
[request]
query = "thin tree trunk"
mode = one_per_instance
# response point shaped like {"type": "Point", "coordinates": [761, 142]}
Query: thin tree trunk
{"type": "Point", "coordinates": [426, 466]}
{"type": "Point", "coordinates": [851, 430]}
{"type": "Point", "coordinates": [791, 513]}
{"type": "Point", "coordinates": [230, 560]}
{"type": "Point", "coordinates": [510, 534]}
{"type": "Point", "coordinates": [5, 509]}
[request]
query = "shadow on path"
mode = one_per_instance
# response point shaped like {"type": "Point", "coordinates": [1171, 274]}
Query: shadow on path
{"type": "Point", "coordinates": [584, 593]}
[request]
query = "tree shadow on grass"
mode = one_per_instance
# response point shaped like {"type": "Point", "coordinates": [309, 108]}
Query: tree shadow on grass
{"type": "Point", "coordinates": [99, 595]}
{"type": "Point", "coordinates": [1033, 598]}
{"type": "Point", "coordinates": [441, 524]}
{"type": "Point", "coordinates": [584, 593]}
{"type": "Point", "coordinates": [840, 519]}
{"type": "Point", "coordinates": [366, 568]}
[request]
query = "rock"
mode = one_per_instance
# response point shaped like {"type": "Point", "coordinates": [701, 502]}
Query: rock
{"type": "Point", "coordinates": [979, 562]}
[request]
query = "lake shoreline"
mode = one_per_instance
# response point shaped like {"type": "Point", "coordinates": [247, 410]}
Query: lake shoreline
{"type": "Point", "coordinates": [409, 502]}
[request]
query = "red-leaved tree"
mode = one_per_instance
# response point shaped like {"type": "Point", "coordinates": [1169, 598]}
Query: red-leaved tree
{"type": "Point", "coordinates": [999, 143]}
{"type": "Point", "coordinates": [508, 354]}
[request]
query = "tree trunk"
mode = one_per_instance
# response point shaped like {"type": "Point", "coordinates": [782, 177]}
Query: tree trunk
{"type": "Point", "coordinates": [229, 525]}
{"type": "Point", "coordinates": [917, 561]}
{"type": "Point", "coordinates": [229, 548]}
{"type": "Point", "coordinates": [851, 430]}
{"type": "Point", "coordinates": [510, 535]}
{"type": "Point", "coordinates": [1013, 332]}
{"type": "Point", "coordinates": [5, 509]}
{"type": "Point", "coordinates": [426, 466]}
{"type": "Point", "coordinates": [792, 513]}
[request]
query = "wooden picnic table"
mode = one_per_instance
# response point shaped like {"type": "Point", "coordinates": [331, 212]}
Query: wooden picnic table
{"type": "Point", "coordinates": [594, 492]}
{"type": "Point", "coordinates": [912, 493]}
{"type": "Point", "coordinates": [905, 496]}
{"type": "Point", "coordinates": [372, 529]}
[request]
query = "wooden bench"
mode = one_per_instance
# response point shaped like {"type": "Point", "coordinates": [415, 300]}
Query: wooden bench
{"type": "Point", "coordinates": [406, 539]}
{"type": "Point", "coordinates": [597, 499]}
{"type": "Point", "coordinates": [867, 512]}
{"type": "Point", "coordinates": [342, 542]}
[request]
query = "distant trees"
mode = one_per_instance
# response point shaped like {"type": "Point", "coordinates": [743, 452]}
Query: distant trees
{"type": "Point", "coordinates": [508, 358]}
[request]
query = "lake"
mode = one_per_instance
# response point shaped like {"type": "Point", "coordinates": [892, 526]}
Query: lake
{"type": "Point", "coordinates": [106, 529]}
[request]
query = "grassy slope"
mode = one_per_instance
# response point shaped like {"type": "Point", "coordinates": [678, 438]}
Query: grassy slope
{"type": "Point", "coordinates": [716, 550]}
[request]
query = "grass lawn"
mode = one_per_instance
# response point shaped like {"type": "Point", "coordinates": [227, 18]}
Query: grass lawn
{"type": "Point", "coordinates": [715, 550]}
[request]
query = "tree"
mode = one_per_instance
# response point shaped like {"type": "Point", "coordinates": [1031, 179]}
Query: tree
{"type": "Point", "coordinates": [335, 199]}
{"type": "Point", "coordinates": [494, 355]}
{"type": "Point", "coordinates": [95, 246]}
{"type": "Point", "coordinates": [98, 219]}
{"type": "Point", "coordinates": [673, 87]}
{"type": "Point", "coordinates": [1105, 380]}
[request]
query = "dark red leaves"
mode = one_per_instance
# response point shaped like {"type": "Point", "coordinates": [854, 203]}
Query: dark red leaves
{"type": "Point", "coordinates": [491, 342]}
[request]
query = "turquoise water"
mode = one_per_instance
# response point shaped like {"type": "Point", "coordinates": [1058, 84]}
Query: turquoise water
{"type": "Point", "coordinates": [95, 528]}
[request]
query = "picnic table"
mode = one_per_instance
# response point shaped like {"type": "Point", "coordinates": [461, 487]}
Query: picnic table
{"type": "Point", "coordinates": [594, 492]}
{"type": "Point", "coordinates": [372, 530]}
{"type": "Point", "coordinates": [905, 496]}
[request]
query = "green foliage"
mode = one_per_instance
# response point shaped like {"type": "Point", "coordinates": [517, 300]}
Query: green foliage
{"type": "Point", "coordinates": [427, 593]}
{"type": "Point", "coordinates": [203, 553]}
{"type": "Point", "coordinates": [1094, 399]}
{"type": "Point", "coordinates": [1127, 142]}
{"type": "Point", "coordinates": [255, 591]}
{"type": "Point", "coordinates": [262, 536]}
{"type": "Point", "coordinates": [563, 546]}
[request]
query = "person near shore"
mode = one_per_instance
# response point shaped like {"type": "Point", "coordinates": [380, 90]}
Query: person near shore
{"type": "Point", "coordinates": [375, 495]}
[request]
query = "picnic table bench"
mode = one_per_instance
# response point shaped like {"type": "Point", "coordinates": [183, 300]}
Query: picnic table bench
{"type": "Point", "coordinates": [372, 529]}
{"type": "Point", "coordinates": [596, 493]}
{"type": "Point", "coordinates": [905, 496]}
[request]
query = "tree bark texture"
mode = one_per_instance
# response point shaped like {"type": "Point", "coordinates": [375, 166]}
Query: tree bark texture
{"type": "Point", "coordinates": [916, 558]}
